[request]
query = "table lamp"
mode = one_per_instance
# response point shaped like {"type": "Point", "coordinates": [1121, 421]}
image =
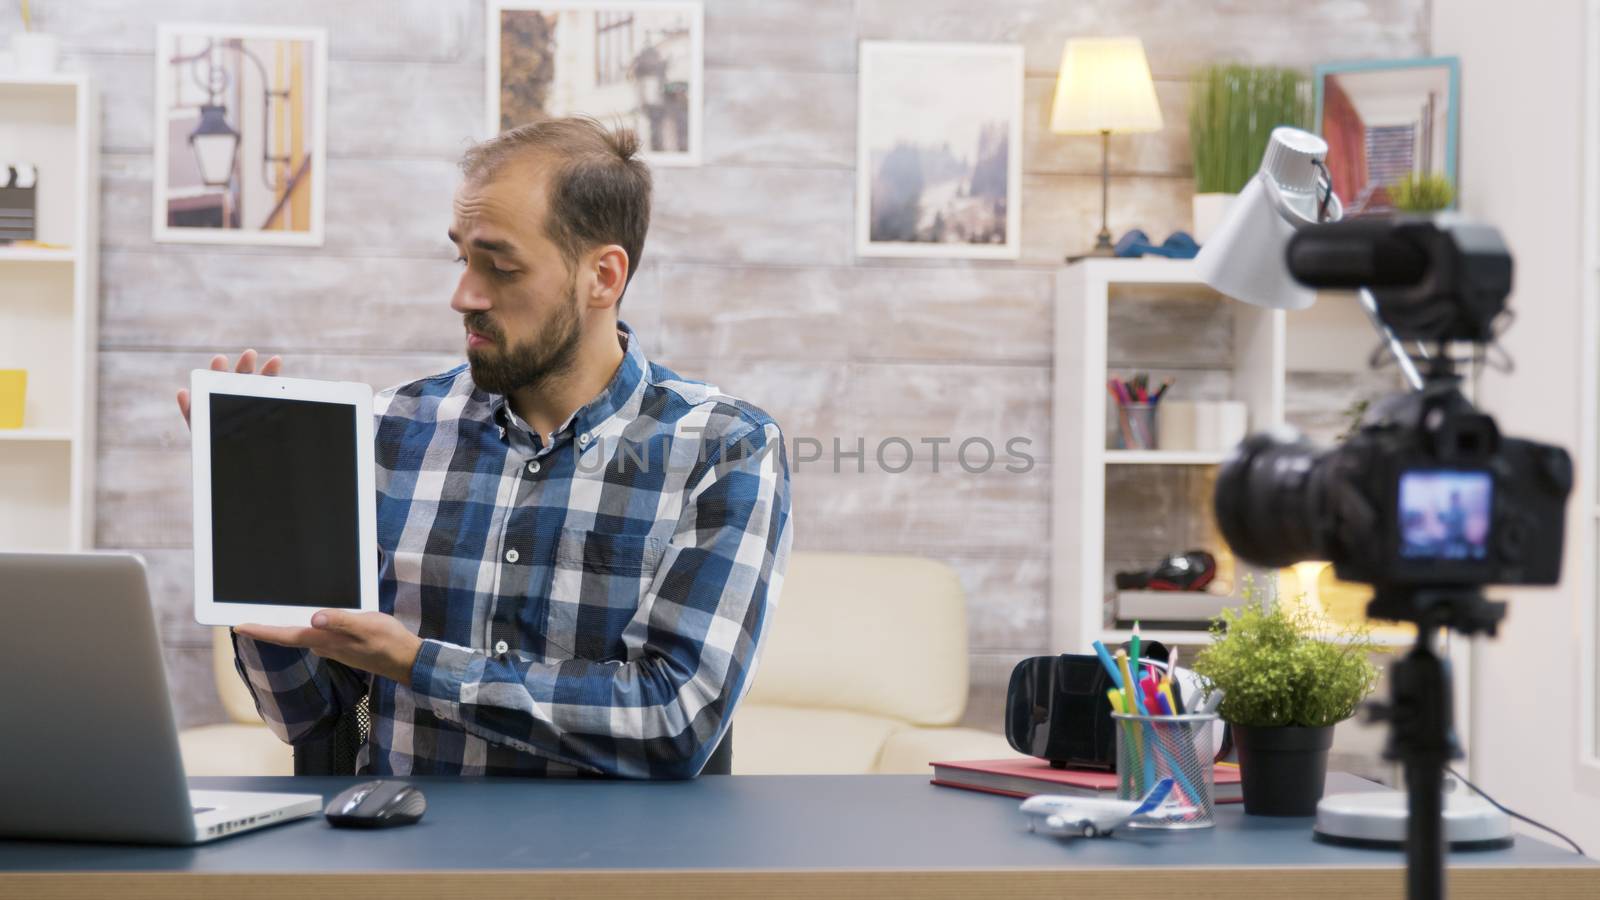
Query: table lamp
{"type": "Point", "coordinates": [1104, 87]}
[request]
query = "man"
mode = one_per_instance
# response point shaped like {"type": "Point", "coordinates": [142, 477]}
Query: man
{"type": "Point", "coordinates": [580, 550]}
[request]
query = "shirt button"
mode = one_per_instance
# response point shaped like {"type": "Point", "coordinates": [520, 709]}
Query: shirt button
{"type": "Point", "coordinates": [511, 556]}
{"type": "Point", "coordinates": [501, 646]}
{"type": "Point", "coordinates": [533, 467]}
{"type": "Point", "coordinates": [583, 439]}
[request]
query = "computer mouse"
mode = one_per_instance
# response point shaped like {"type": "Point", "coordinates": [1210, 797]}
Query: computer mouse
{"type": "Point", "coordinates": [376, 804]}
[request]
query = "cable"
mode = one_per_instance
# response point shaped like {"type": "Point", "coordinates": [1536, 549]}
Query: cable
{"type": "Point", "coordinates": [1515, 815]}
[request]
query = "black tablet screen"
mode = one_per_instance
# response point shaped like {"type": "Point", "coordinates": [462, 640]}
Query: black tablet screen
{"type": "Point", "coordinates": [283, 502]}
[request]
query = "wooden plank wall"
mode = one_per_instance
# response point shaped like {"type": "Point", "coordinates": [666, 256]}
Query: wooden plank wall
{"type": "Point", "coordinates": [749, 278]}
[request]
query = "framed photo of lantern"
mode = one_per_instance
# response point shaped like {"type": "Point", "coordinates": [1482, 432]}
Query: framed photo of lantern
{"type": "Point", "coordinates": [240, 134]}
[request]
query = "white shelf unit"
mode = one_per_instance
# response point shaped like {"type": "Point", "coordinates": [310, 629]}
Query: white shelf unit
{"type": "Point", "coordinates": [49, 313]}
{"type": "Point", "coordinates": [1084, 294]}
{"type": "Point", "coordinates": [1164, 457]}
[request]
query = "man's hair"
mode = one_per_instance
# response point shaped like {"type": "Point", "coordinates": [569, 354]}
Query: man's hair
{"type": "Point", "coordinates": [599, 188]}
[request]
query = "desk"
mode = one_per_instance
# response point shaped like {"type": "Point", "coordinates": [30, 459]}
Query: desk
{"type": "Point", "coordinates": [769, 836]}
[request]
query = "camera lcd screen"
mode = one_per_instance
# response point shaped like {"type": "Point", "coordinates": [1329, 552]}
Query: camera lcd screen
{"type": "Point", "coordinates": [284, 502]}
{"type": "Point", "coordinates": [1445, 514]}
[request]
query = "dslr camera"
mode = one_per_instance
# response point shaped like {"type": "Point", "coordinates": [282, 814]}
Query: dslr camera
{"type": "Point", "coordinates": [1426, 499]}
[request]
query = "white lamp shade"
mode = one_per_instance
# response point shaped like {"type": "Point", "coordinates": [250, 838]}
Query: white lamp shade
{"type": "Point", "coordinates": [1244, 259]}
{"type": "Point", "coordinates": [1104, 85]}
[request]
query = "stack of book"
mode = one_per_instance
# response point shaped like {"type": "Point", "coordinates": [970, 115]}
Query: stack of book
{"type": "Point", "coordinates": [1173, 610]}
{"type": "Point", "coordinates": [1027, 776]}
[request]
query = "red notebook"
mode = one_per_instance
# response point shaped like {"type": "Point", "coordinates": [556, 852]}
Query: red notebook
{"type": "Point", "coordinates": [1026, 776]}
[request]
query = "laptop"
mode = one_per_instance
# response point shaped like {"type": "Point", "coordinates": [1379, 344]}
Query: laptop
{"type": "Point", "coordinates": [87, 736]}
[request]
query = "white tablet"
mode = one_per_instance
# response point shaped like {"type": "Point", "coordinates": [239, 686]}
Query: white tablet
{"type": "Point", "coordinates": [285, 518]}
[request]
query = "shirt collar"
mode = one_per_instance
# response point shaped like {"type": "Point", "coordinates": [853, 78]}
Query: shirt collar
{"type": "Point", "coordinates": [593, 418]}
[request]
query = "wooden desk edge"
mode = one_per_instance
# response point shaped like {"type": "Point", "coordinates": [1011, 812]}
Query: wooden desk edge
{"type": "Point", "coordinates": [1578, 882]}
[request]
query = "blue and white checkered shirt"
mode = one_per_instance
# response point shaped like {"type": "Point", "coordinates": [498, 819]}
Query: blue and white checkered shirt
{"type": "Point", "coordinates": [592, 606]}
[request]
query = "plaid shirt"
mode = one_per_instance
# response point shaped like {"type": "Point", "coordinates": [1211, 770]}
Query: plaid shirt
{"type": "Point", "coordinates": [594, 605]}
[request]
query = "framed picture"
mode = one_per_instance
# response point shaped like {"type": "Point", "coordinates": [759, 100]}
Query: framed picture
{"type": "Point", "coordinates": [939, 150]}
{"type": "Point", "coordinates": [637, 65]}
{"type": "Point", "coordinates": [1384, 120]}
{"type": "Point", "coordinates": [240, 134]}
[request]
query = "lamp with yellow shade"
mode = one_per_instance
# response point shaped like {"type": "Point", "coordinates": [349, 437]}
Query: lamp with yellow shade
{"type": "Point", "coordinates": [1104, 88]}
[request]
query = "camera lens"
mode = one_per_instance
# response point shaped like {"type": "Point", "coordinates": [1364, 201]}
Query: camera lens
{"type": "Point", "coordinates": [1268, 499]}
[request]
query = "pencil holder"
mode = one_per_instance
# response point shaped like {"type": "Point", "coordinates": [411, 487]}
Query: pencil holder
{"type": "Point", "coordinates": [1150, 748]}
{"type": "Point", "coordinates": [1136, 427]}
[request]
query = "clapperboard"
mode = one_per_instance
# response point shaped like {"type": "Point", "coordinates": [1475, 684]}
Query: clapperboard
{"type": "Point", "coordinates": [19, 183]}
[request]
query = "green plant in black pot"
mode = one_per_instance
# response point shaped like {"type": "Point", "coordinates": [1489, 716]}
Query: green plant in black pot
{"type": "Point", "coordinates": [1284, 690]}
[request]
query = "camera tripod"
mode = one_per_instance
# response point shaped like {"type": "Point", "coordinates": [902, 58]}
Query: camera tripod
{"type": "Point", "coordinates": [1421, 715]}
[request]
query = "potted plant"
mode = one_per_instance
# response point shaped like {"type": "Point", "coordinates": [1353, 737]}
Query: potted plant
{"type": "Point", "coordinates": [1417, 193]}
{"type": "Point", "coordinates": [33, 52]}
{"type": "Point", "coordinates": [1232, 111]}
{"type": "Point", "coordinates": [1283, 691]}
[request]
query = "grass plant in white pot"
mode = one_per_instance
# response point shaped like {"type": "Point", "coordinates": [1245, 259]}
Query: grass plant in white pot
{"type": "Point", "coordinates": [1232, 111]}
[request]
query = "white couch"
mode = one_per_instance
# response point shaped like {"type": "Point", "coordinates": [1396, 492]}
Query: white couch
{"type": "Point", "coordinates": [865, 670]}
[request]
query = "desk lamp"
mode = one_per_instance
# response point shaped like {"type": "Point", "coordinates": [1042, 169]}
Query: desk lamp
{"type": "Point", "coordinates": [1246, 260]}
{"type": "Point", "coordinates": [1104, 87]}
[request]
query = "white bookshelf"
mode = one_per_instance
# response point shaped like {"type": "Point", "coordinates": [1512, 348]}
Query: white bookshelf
{"type": "Point", "coordinates": [1084, 294]}
{"type": "Point", "coordinates": [48, 315]}
{"type": "Point", "coordinates": [1164, 457]}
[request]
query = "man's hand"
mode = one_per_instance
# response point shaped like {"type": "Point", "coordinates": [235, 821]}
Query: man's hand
{"type": "Point", "coordinates": [371, 641]}
{"type": "Point", "coordinates": [219, 363]}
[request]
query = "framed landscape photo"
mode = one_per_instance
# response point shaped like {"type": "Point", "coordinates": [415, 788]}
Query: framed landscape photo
{"type": "Point", "coordinates": [636, 64]}
{"type": "Point", "coordinates": [1384, 120]}
{"type": "Point", "coordinates": [939, 152]}
{"type": "Point", "coordinates": [240, 134]}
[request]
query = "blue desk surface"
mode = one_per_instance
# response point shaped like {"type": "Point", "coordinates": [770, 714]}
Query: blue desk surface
{"type": "Point", "coordinates": [724, 822]}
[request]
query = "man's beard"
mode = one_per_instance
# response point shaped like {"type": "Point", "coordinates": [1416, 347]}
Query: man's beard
{"type": "Point", "coordinates": [502, 369]}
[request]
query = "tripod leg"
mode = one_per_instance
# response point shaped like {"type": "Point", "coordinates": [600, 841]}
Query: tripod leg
{"type": "Point", "coordinates": [1423, 739]}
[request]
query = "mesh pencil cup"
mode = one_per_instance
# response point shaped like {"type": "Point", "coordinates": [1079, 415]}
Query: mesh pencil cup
{"type": "Point", "coordinates": [1136, 427]}
{"type": "Point", "coordinates": [1150, 748]}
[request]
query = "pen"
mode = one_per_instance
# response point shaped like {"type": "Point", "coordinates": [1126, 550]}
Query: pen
{"type": "Point", "coordinates": [1152, 694]}
{"type": "Point", "coordinates": [1109, 664]}
{"type": "Point", "coordinates": [1168, 700]}
{"type": "Point", "coordinates": [1174, 682]}
{"type": "Point", "coordinates": [1135, 645]}
{"type": "Point", "coordinates": [1130, 685]}
{"type": "Point", "coordinates": [1116, 698]}
{"type": "Point", "coordinates": [1130, 705]}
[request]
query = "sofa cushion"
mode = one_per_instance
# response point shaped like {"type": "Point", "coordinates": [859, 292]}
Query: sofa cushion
{"type": "Point", "coordinates": [908, 751]}
{"type": "Point", "coordinates": [882, 635]}
{"type": "Point", "coordinates": [781, 740]}
{"type": "Point", "coordinates": [234, 750]}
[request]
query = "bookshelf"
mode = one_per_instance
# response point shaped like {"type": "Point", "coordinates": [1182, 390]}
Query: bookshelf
{"type": "Point", "coordinates": [48, 315]}
{"type": "Point", "coordinates": [1249, 367]}
{"type": "Point", "coordinates": [1250, 363]}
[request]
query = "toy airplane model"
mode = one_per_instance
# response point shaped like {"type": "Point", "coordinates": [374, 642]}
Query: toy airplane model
{"type": "Point", "coordinates": [1092, 817]}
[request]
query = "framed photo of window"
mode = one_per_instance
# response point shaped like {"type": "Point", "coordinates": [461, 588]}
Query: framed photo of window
{"type": "Point", "coordinates": [1384, 120]}
{"type": "Point", "coordinates": [635, 64]}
